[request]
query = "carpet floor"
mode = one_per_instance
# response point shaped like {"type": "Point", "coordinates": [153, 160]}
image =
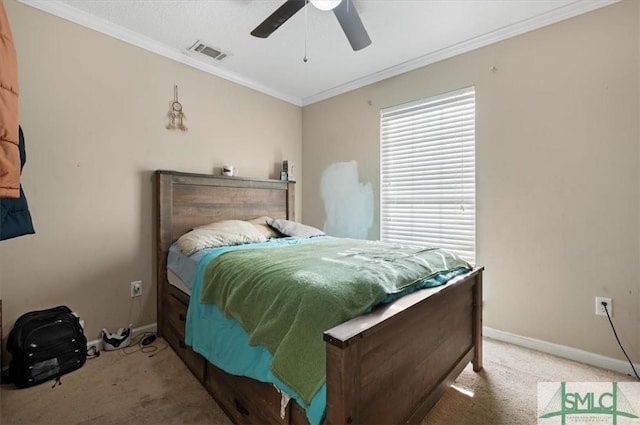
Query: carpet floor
{"type": "Point", "coordinates": [129, 386]}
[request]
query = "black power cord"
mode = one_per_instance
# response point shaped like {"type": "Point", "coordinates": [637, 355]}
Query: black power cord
{"type": "Point", "coordinates": [606, 310]}
{"type": "Point", "coordinates": [144, 344]}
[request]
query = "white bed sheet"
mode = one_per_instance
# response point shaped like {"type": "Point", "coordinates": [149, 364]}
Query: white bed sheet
{"type": "Point", "coordinates": [181, 269]}
{"type": "Point", "coordinates": [175, 280]}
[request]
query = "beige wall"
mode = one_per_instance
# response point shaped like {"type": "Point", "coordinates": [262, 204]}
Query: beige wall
{"type": "Point", "coordinates": [557, 171]}
{"type": "Point", "coordinates": [93, 110]}
{"type": "Point", "coordinates": [558, 175]}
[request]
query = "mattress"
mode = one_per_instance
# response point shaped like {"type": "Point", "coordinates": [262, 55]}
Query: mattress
{"type": "Point", "coordinates": [181, 269]}
{"type": "Point", "coordinates": [175, 280]}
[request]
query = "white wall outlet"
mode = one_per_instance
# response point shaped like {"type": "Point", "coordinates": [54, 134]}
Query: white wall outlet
{"type": "Point", "coordinates": [136, 288]}
{"type": "Point", "coordinates": [600, 308]}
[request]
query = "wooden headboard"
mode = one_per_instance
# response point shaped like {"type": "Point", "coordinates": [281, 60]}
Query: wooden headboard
{"type": "Point", "coordinates": [184, 201]}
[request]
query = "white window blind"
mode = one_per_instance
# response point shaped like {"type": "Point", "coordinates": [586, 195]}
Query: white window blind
{"type": "Point", "coordinates": [428, 173]}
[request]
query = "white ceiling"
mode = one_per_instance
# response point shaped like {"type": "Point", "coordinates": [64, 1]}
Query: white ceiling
{"type": "Point", "coordinates": [405, 34]}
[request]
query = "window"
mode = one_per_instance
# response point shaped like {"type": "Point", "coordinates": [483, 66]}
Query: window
{"type": "Point", "coordinates": [428, 173]}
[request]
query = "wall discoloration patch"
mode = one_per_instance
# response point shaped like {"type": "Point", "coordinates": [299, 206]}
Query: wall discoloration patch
{"type": "Point", "coordinates": [348, 204]}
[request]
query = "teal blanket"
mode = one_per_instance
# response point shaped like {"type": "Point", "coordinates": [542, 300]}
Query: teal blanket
{"type": "Point", "coordinates": [286, 297]}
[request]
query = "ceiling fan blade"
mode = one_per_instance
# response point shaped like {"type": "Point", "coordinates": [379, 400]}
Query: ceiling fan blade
{"type": "Point", "coordinates": [352, 25]}
{"type": "Point", "coordinates": [277, 18]}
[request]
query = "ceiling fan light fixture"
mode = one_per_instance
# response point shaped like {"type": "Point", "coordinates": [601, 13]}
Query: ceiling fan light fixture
{"type": "Point", "coordinates": [325, 4]}
{"type": "Point", "coordinates": [345, 13]}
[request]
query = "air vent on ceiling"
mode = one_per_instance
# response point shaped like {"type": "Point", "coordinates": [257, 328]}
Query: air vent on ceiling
{"type": "Point", "coordinates": [207, 50]}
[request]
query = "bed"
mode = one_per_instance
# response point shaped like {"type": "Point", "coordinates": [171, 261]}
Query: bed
{"type": "Point", "coordinates": [385, 366]}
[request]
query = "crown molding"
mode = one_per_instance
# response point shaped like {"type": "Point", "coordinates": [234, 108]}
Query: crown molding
{"type": "Point", "coordinates": [69, 13]}
{"type": "Point", "coordinates": [549, 18]}
{"type": "Point", "coordinates": [64, 11]}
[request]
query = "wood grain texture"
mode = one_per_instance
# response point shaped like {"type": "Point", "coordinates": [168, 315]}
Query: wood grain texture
{"type": "Point", "coordinates": [175, 314]}
{"type": "Point", "coordinates": [393, 364]}
{"type": "Point", "coordinates": [184, 201]}
{"type": "Point", "coordinates": [245, 400]}
{"type": "Point", "coordinates": [388, 366]}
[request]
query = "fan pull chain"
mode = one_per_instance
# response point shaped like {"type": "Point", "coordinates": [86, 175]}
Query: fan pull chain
{"type": "Point", "coordinates": [306, 27]}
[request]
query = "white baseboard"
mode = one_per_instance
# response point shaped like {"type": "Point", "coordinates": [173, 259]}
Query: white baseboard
{"type": "Point", "coordinates": [563, 351]}
{"type": "Point", "coordinates": [152, 328]}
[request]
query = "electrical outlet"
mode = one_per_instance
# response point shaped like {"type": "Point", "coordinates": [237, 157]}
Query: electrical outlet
{"type": "Point", "coordinates": [600, 308]}
{"type": "Point", "coordinates": [136, 288]}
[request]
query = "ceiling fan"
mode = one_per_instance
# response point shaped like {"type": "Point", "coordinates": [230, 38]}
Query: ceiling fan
{"type": "Point", "coordinates": [344, 10]}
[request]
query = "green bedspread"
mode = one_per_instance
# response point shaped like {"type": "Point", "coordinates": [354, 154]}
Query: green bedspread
{"type": "Point", "coordinates": [286, 297]}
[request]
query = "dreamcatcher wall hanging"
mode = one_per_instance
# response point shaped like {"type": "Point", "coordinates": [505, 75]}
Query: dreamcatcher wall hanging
{"type": "Point", "coordinates": [175, 115]}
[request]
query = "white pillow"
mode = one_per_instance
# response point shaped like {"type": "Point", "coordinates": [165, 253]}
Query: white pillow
{"type": "Point", "coordinates": [221, 233]}
{"type": "Point", "coordinates": [264, 228]}
{"type": "Point", "coordinates": [292, 228]}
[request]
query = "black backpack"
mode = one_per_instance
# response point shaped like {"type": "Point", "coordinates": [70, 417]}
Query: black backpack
{"type": "Point", "coordinates": [45, 345]}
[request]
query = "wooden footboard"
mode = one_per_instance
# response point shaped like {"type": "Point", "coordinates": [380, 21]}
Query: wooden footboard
{"type": "Point", "coordinates": [393, 364]}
